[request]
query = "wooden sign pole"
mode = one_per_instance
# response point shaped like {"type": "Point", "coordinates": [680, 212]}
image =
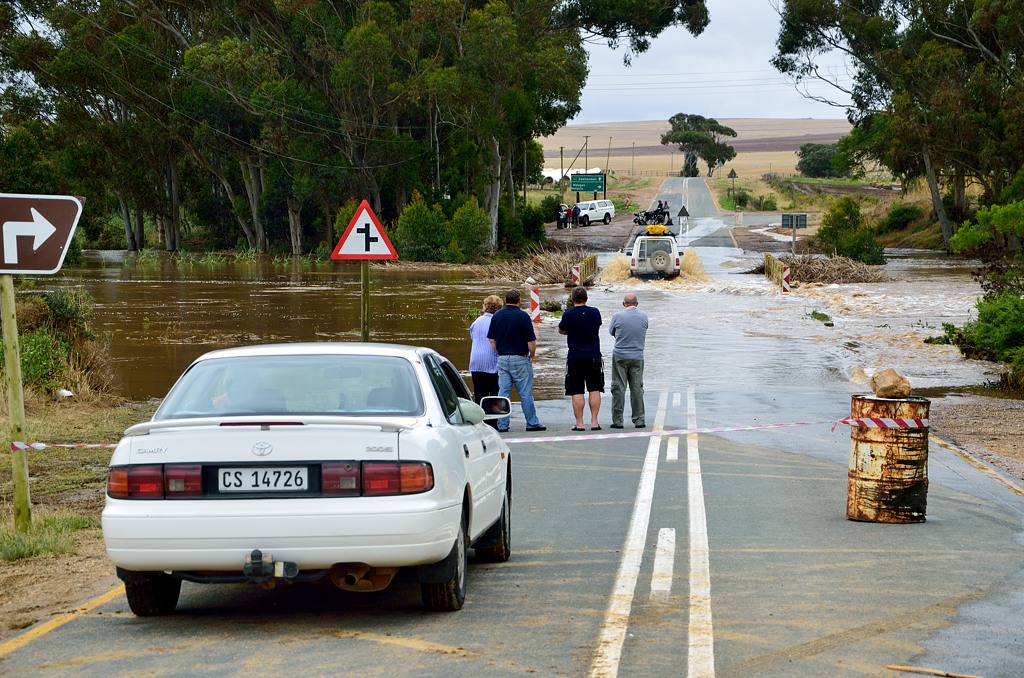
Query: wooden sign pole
{"type": "Point", "coordinates": [15, 404]}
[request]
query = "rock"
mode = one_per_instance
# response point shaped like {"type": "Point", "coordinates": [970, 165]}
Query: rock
{"type": "Point", "coordinates": [888, 383]}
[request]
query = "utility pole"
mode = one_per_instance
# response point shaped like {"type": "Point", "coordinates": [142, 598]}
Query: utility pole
{"type": "Point", "coordinates": [608, 157]}
{"type": "Point", "coordinates": [586, 152]}
{"type": "Point", "coordinates": [632, 162]}
{"type": "Point", "coordinates": [561, 173]}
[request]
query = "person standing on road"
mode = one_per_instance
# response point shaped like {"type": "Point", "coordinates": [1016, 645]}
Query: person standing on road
{"type": "Point", "coordinates": [513, 339]}
{"type": "Point", "coordinates": [483, 361]}
{"type": "Point", "coordinates": [576, 214]}
{"type": "Point", "coordinates": [629, 327]}
{"type": "Point", "coordinates": [584, 369]}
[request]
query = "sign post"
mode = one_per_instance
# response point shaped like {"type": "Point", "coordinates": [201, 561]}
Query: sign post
{"type": "Point", "coordinates": [364, 239]}
{"type": "Point", "coordinates": [586, 183]}
{"type": "Point", "coordinates": [794, 221]}
{"type": "Point", "coordinates": [35, 231]}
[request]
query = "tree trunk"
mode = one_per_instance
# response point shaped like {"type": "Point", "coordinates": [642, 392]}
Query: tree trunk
{"type": "Point", "coordinates": [252, 180]}
{"type": "Point", "coordinates": [492, 194]}
{"type": "Point", "coordinates": [173, 241]}
{"type": "Point", "coordinates": [329, 237]}
{"type": "Point", "coordinates": [295, 223]}
{"type": "Point", "coordinates": [140, 228]}
{"type": "Point", "coordinates": [160, 232]}
{"type": "Point", "coordinates": [126, 217]}
{"type": "Point", "coordinates": [250, 237]}
{"type": "Point", "coordinates": [940, 211]}
{"type": "Point", "coordinates": [506, 168]}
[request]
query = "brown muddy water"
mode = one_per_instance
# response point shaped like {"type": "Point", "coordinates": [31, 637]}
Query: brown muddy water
{"type": "Point", "coordinates": [159, 315]}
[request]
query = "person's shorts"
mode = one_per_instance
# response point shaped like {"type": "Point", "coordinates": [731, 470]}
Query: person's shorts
{"type": "Point", "coordinates": [584, 376]}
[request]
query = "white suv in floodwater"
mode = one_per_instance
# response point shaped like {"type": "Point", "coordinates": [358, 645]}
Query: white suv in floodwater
{"type": "Point", "coordinates": [655, 252]}
{"type": "Point", "coordinates": [596, 210]}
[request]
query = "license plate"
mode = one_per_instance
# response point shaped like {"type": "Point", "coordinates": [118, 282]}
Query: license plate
{"type": "Point", "coordinates": [263, 479]}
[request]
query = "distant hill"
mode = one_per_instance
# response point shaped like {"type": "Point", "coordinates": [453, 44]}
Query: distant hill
{"type": "Point", "coordinates": [754, 135]}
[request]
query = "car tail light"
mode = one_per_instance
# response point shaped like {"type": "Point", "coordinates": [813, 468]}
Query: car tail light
{"type": "Point", "coordinates": [183, 481]}
{"type": "Point", "coordinates": [340, 479]}
{"type": "Point", "coordinates": [407, 477]}
{"type": "Point", "coordinates": [136, 482]}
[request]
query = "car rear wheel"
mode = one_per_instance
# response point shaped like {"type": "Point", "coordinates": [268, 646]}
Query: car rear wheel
{"type": "Point", "coordinates": [498, 537]}
{"type": "Point", "coordinates": [584, 221]}
{"type": "Point", "coordinates": [449, 595]}
{"type": "Point", "coordinates": [151, 594]}
{"type": "Point", "coordinates": [607, 218]}
{"type": "Point", "coordinates": [660, 261]}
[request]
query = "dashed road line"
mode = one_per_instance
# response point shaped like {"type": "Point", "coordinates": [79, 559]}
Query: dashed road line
{"type": "Point", "coordinates": [616, 620]}
{"type": "Point", "coordinates": [664, 564]}
{"type": "Point", "coordinates": [701, 651]}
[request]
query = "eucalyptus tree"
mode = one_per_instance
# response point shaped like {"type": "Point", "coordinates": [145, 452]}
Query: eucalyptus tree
{"type": "Point", "coordinates": [699, 138]}
{"type": "Point", "coordinates": [102, 97]}
{"type": "Point", "coordinates": [936, 90]}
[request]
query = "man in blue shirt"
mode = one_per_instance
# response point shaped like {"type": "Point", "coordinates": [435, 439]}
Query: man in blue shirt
{"type": "Point", "coordinates": [512, 336]}
{"type": "Point", "coordinates": [584, 369]}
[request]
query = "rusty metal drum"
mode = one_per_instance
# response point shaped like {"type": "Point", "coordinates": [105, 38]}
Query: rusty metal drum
{"type": "Point", "coordinates": [888, 478]}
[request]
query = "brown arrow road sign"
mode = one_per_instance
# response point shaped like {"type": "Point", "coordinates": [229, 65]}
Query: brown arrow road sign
{"type": "Point", "coordinates": [35, 231]}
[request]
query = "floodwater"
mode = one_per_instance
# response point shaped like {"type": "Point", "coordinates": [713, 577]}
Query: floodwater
{"type": "Point", "coordinates": [714, 322]}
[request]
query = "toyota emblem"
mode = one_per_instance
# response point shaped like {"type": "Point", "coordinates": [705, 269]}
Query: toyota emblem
{"type": "Point", "coordinates": [262, 449]}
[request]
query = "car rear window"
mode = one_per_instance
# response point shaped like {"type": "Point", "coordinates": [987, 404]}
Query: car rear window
{"type": "Point", "coordinates": [355, 385]}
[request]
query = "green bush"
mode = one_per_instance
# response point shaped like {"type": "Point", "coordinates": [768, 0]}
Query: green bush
{"type": "Point", "coordinates": [423, 233]}
{"type": "Point", "coordinates": [899, 217]}
{"type": "Point", "coordinates": [1000, 324]}
{"type": "Point", "coordinates": [43, 358]}
{"type": "Point", "coordinates": [548, 205]}
{"type": "Point", "coordinates": [741, 198]}
{"type": "Point", "coordinates": [533, 223]}
{"type": "Point", "coordinates": [999, 332]}
{"type": "Point", "coordinates": [71, 309]}
{"type": "Point", "coordinates": [471, 231]}
{"type": "Point", "coordinates": [765, 203]}
{"type": "Point", "coordinates": [844, 233]}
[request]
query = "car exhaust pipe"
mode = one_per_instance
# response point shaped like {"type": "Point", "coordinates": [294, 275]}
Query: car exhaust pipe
{"type": "Point", "coordinates": [361, 577]}
{"type": "Point", "coordinates": [355, 573]}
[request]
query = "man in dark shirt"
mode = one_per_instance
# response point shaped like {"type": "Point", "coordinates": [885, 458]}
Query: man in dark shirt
{"type": "Point", "coordinates": [512, 336]}
{"type": "Point", "coordinates": [584, 369]}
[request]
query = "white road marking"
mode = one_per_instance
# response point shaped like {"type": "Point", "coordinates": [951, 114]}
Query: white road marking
{"type": "Point", "coordinates": [664, 561]}
{"type": "Point", "coordinates": [616, 619]}
{"type": "Point", "coordinates": [701, 654]}
{"type": "Point", "coordinates": [672, 449]}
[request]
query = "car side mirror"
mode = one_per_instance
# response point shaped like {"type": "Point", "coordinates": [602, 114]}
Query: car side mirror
{"type": "Point", "coordinates": [496, 407]}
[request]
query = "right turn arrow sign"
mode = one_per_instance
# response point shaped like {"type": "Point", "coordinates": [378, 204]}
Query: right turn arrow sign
{"type": "Point", "coordinates": [36, 231]}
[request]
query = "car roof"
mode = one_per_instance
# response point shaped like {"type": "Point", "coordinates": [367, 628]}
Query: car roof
{"type": "Point", "coordinates": [317, 348]}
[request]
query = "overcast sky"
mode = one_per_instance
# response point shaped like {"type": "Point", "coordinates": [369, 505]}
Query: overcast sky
{"type": "Point", "coordinates": [723, 73]}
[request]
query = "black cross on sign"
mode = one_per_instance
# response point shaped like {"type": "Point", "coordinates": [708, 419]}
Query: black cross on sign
{"type": "Point", "coordinates": [367, 238]}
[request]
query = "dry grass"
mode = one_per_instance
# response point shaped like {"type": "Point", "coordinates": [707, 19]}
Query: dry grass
{"type": "Point", "coordinates": [805, 268]}
{"type": "Point", "coordinates": [59, 470]}
{"type": "Point", "coordinates": [546, 265]}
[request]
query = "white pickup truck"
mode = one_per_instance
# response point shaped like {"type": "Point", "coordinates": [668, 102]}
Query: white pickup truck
{"type": "Point", "coordinates": [655, 252]}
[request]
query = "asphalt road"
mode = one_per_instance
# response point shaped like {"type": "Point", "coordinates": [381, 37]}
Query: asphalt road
{"type": "Point", "coordinates": [717, 548]}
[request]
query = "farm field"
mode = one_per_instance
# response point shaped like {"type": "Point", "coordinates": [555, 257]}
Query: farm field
{"type": "Point", "coordinates": [762, 145]}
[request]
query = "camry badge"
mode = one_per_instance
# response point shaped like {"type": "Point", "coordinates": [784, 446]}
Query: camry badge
{"type": "Point", "coordinates": [262, 449]}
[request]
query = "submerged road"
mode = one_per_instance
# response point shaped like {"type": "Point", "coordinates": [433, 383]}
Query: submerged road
{"type": "Point", "coordinates": [713, 543]}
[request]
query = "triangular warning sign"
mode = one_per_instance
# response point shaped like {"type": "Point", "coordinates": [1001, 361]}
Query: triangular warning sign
{"type": "Point", "coordinates": [364, 238]}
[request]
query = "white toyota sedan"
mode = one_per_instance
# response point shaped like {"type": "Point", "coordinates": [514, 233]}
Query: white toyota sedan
{"type": "Point", "coordinates": [302, 462]}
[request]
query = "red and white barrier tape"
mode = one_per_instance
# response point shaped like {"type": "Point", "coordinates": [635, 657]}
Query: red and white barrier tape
{"type": "Point", "coordinates": [18, 445]}
{"type": "Point", "coordinates": [849, 421]}
{"type": "Point", "coordinates": [880, 422]}
{"type": "Point", "coordinates": [873, 422]}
